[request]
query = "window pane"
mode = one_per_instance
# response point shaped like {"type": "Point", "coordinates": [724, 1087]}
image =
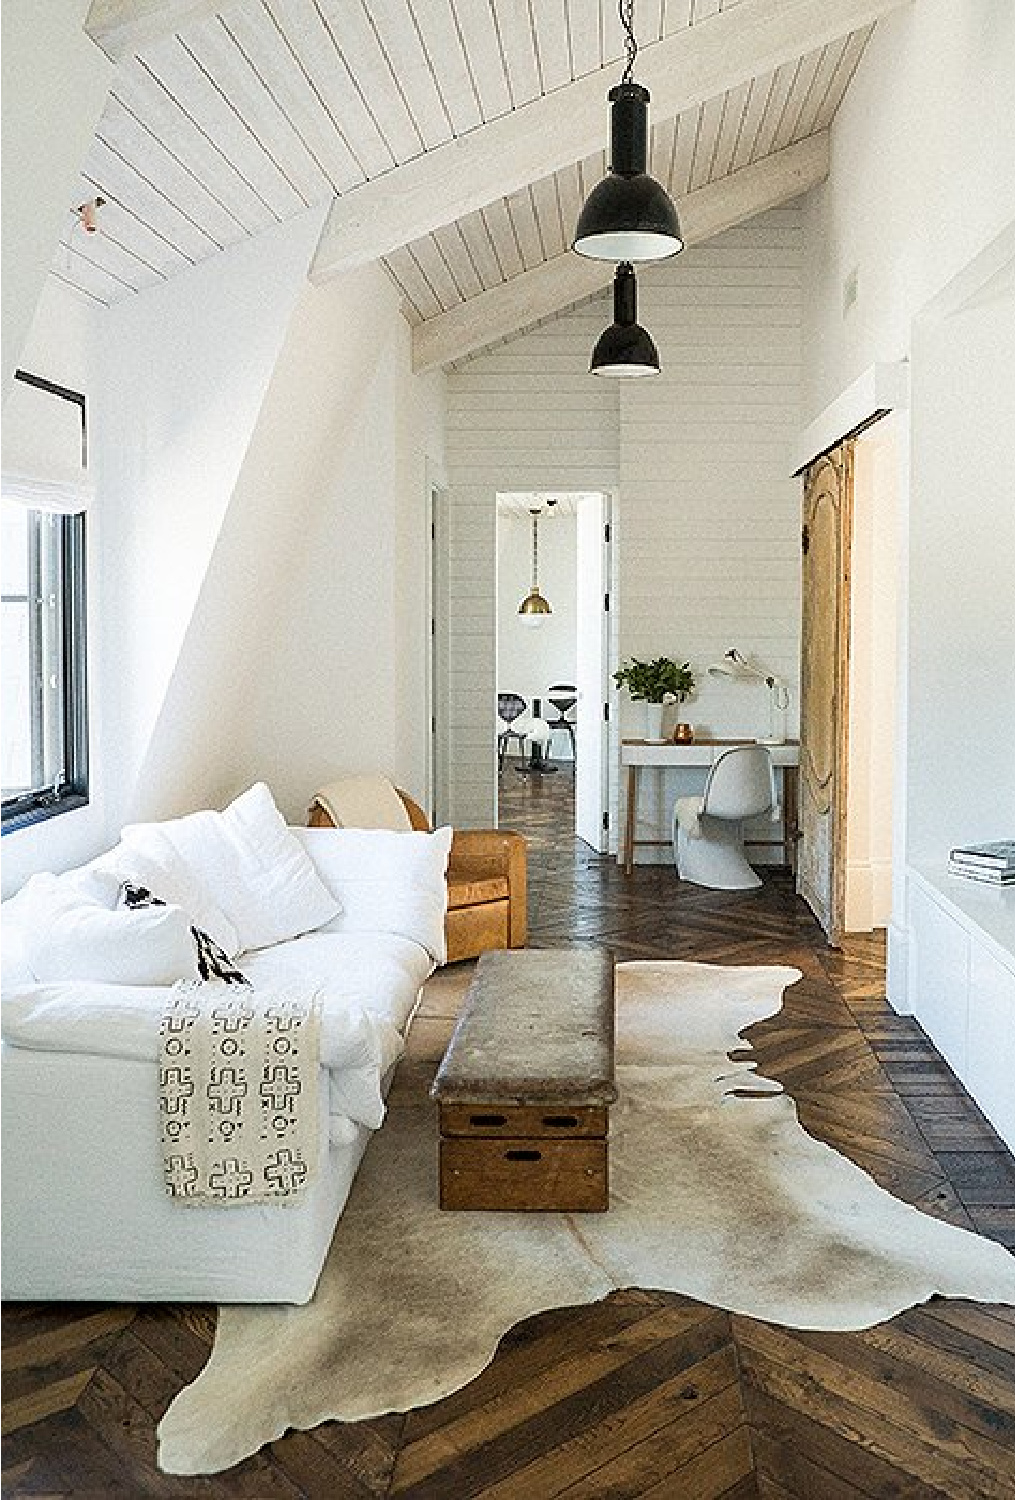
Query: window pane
{"type": "Point", "coordinates": [15, 707]}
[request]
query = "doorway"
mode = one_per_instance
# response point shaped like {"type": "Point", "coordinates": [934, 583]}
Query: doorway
{"type": "Point", "coordinates": [553, 660]}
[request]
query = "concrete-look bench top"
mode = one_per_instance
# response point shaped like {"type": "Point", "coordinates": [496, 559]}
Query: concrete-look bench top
{"type": "Point", "coordinates": [537, 1027]}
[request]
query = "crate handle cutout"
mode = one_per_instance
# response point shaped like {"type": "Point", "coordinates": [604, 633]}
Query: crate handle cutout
{"type": "Point", "coordinates": [560, 1122]}
{"type": "Point", "coordinates": [524, 1155]}
{"type": "Point", "coordinates": [488, 1119]}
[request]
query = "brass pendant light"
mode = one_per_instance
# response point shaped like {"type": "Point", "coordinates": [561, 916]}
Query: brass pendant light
{"type": "Point", "coordinates": [534, 608]}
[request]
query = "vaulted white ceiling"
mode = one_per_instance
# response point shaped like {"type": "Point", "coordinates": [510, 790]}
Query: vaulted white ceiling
{"type": "Point", "coordinates": [225, 118]}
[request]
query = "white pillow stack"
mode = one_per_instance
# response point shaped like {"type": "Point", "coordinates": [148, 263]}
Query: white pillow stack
{"type": "Point", "coordinates": [242, 874]}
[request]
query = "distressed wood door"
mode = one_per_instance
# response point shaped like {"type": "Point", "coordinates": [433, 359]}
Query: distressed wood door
{"type": "Point", "coordinates": [824, 687]}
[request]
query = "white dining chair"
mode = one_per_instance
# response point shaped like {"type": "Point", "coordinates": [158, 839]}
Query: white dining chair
{"type": "Point", "coordinates": [708, 831]}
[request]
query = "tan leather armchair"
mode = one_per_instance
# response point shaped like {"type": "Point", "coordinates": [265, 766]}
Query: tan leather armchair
{"type": "Point", "coordinates": [487, 883]}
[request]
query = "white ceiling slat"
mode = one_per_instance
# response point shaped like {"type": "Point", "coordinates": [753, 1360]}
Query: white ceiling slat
{"type": "Point", "coordinates": [394, 26]}
{"type": "Point", "coordinates": [685, 145]}
{"type": "Point", "coordinates": [477, 237]}
{"type": "Point", "coordinates": [583, 31]}
{"type": "Point", "coordinates": [223, 57]}
{"type": "Point", "coordinates": [549, 218]}
{"type": "Point", "coordinates": [523, 217]}
{"type": "Point", "coordinates": [371, 76]}
{"type": "Point", "coordinates": [789, 128]}
{"type": "Point", "coordinates": [127, 272]}
{"type": "Point", "coordinates": [405, 269]}
{"type": "Point", "coordinates": [123, 183]}
{"type": "Point", "coordinates": [729, 134]}
{"type": "Point", "coordinates": [435, 268]}
{"type": "Point", "coordinates": [514, 26]}
{"type": "Point", "coordinates": [134, 234]}
{"type": "Point", "coordinates": [820, 84]}
{"type": "Point", "coordinates": [123, 27]}
{"type": "Point", "coordinates": [453, 247]}
{"type": "Point", "coordinates": [553, 47]}
{"type": "Point", "coordinates": [442, 41]}
{"type": "Point", "coordinates": [79, 272]}
{"type": "Point", "coordinates": [485, 59]}
{"type": "Point", "coordinates": [556, 283]}
{"type": "Point", "coordinates": [505, 240]}
{"type": "Point", "coordinates": [570, 200]}
{"type": "Point", "coordinates": [676, 14]}
{"type": "Point", "coordinates": [181, 73]}
{"type": "Point", "coordinates": [757, 102]}
{"type": "Point", "coordinates": [123, 133]}
{"type": "Point", "coordinates": [843, 74]}
{"type": "Point", "coordinates": [785, 78]}
{"type": "Point", "coordinates": [259, 32]}
{"type": "Point", "coordinates": [141, 93]}
{"type": "Point", "coordinates": [610, 33]}
{"type": "Point", "coordinates": [537, 138]}
{"type": "Point", "coordinates": [662, 137]}
{"type": "Point", "coordinates": [327, 71]}
{"type": "Point", "coordinates": [712, 115]}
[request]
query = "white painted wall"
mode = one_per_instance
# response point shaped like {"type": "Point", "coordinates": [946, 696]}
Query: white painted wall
{"type": "Point", "coordinates": [707, 517]}
{"type": "Point", "coordinates": [314, 596]}
{"type": "Point", "coordinates": [185, 368]}
{"type": "Point", "coordinates": [54, 86]}
{"type": "Point", "coordinates": [531, 658]}
{"type": "Point", "coordinates": [872, 684]}
{"type": "Point", "coordinates": [922, 177]}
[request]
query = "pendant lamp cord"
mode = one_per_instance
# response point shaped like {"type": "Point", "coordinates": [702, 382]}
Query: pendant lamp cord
{"type": "Point", "coordinates": [535, 551]}
{"type": "Point", "coordinates": [625, 10]}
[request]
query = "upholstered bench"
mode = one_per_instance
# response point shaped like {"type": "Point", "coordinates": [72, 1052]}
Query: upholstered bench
{"type": "Point", "coordinates": [526, 1083]}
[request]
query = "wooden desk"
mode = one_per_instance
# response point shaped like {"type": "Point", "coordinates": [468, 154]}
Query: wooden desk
{"type": "Point", "coordinates": [634, 754]}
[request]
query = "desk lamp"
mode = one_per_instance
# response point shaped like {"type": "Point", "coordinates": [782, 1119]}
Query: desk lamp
{"type": "Point", "coordinates": [734, 664]}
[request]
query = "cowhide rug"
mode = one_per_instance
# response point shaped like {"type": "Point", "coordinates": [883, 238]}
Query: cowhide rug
{"type": "Point", "coordinates": [719, 1196]}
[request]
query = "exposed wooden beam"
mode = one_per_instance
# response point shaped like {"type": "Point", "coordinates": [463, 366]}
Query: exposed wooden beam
{"type": "Point", "coordinates": [517, 304]}
{"type": "Point", "coordinates": [682, 71]}
{"type": "Point", "coordinates": [123, 27]}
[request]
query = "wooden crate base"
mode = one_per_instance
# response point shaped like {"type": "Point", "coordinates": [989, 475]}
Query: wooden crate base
{"type": "Point", "coordinates": [527, 1175]}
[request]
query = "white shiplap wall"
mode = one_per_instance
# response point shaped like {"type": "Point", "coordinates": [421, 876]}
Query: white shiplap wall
{"type": "Point", "coordinates": [707, 515]}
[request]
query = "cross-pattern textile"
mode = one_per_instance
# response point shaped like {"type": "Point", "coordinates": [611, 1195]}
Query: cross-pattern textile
{"type": "Point", "coordinates": [238, 1076]}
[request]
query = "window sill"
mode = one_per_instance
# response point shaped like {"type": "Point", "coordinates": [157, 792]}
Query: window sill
{"type": "Point", "coordinates": [15, 820]}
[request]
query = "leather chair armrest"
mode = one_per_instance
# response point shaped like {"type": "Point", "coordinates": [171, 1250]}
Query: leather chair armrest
{"type": "Point", "coordinates": [478, 852]}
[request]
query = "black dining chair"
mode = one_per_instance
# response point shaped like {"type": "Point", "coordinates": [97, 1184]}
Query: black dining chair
{"type": "Point", "coordinates": [510, 706]}
{"type": "Point", "coordinates": [563, 696]}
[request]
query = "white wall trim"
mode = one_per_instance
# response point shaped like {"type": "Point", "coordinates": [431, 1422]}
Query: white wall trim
{"type": "Point", "coordinates": [883, 387]}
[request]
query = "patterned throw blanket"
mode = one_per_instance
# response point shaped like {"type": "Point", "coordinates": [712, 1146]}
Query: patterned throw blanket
{"type": "Point", "coordinates": [238, 1074]}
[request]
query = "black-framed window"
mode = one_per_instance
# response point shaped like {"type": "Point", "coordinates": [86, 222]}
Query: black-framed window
{"type": "Point", "coordinates": [44, 707]}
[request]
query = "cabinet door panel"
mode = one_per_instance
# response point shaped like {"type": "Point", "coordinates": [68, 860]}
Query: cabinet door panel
{"type": "Point", "coordinates": [991, 1041]}
{"type": "Point", "coordinates": [940, 977]}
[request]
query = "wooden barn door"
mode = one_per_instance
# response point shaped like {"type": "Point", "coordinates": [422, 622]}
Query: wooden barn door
{"type": "Point", "coordinates": [824, 687]}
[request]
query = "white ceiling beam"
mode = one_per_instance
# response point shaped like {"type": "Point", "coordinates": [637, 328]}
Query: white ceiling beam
{"type": "Point", "coordinates": [557, 283]}
{"type": "Point", "coordinates": [123, 27]}
{"type": "Point", "coordinates": [682, 71]}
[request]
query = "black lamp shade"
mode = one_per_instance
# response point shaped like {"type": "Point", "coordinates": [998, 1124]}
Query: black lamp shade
{"type": "Point", "coordinates": [625, 350]}
{"type": "Point", "coordinates": [629, 216]}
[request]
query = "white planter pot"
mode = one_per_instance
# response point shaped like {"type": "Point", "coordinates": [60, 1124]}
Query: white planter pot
{"type": "Point", "coordinates": [654, 720]}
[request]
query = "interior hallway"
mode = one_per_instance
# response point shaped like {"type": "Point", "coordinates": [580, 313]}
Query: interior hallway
{"type": "Point", "coordinates": [646, 1394]}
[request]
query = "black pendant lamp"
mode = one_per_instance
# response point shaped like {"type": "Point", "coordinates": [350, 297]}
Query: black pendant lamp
{"type": "Point", "coordinates": [629, 216]}
{"type": "Point", "coordinates": [625, 349]}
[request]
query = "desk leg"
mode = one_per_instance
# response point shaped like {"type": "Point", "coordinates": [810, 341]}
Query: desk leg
{"type": "Point", "coordinates": [790, 813]}
{"type": "Point", "coordinates": [632, 794]}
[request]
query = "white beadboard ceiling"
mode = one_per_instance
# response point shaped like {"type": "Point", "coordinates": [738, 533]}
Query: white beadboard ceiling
{"type": "Point", "coordinates": [224, 119]}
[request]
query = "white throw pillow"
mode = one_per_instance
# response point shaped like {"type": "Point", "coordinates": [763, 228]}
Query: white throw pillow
{"type": "Point", "coordinates": [385, 881]}
{"type": "Point", "coordinates": [155, 865]}
{"type": "Point", "coordinates": [250, 865]}
{"type": "Point", "coordinates": [68, 934]}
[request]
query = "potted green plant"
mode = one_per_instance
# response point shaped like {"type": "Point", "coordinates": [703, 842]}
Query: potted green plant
{"type": "Point", "coordinates": [657, 684]}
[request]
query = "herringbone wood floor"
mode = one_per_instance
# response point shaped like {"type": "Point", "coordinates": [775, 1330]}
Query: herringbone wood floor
{"type": "Point", "coordinates": [646, 1394]}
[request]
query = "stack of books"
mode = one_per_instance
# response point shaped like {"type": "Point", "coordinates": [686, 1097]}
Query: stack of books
{"type": "Point", "coordinates": [993, 863]}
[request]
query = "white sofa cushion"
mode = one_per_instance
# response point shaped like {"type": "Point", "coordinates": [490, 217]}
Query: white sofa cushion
{"type": "Point", "coordinates": [70, 928]}
{"type": "Point", "coordinates": [247, 861]}
{"type": "Point", "coordinates": [385, 881]}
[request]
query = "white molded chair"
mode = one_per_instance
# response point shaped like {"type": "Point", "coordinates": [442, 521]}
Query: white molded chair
{"type": "Point", "coordinates": [708, 833]}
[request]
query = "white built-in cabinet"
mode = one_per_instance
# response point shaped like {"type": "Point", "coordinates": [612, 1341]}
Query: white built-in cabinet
{"type": "Point", "coordinates": [962, 984]}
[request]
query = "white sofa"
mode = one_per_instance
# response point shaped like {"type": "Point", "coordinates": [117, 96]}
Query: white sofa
{"type": "Point", "coordinates": [85, 1212]}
